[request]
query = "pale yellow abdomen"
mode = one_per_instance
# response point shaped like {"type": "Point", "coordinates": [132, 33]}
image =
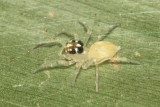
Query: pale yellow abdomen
{"type": "Point", "coordinates": [103, 49]}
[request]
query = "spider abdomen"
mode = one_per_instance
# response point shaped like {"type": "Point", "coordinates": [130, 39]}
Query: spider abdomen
{"type": "Point", "coordinates": [102, 49]}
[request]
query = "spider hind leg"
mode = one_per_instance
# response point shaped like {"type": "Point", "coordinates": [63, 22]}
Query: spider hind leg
{"type": "Point", "coordinates": [92, 62]}
{"type": "Point", "coordinates": [124, 60]}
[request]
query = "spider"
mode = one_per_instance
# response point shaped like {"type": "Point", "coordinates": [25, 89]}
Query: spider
{"type": "Point", "coordinates": [76, 52]}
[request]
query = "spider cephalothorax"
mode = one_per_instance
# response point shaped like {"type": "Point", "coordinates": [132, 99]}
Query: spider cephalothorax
{"type": "Point", "coordinates": [76, 53]}
{"type": "Point", "coordinates": [74, 47]}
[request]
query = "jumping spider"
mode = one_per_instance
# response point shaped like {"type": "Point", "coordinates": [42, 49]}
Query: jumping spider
{"type": "Point", "coordinates": [75, 52]}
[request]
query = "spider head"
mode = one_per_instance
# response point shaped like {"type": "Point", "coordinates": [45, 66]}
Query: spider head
{"type": "Point", "coordinates": [74, 47]}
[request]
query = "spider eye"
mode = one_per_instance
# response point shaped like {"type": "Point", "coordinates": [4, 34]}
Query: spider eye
{"type": "Point", "coordinates": [73, 41]}
{"type": "Point", "coordinates": [72, 51]}
{"type": "Point", "coordinates": [79, 42]}
{"type": "Point", "coordinates": [74, 47]}
{"type": "Point", "coordinates": [80, 49]}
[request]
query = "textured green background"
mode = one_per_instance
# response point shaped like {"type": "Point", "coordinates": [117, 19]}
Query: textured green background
{"type": "Point", "coordinates": [24, 23]}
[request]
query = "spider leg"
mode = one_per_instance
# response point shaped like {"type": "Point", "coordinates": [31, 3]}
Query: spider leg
{"type": "Point", "coordinates": [76, 74]}
{"type": "Point", "coordinates": [90, 63]}
{"type": "Point", "coordinates": [111, 28]}
{"type": "Point", "coordinates": [73, 37]}
{"type": "Point", "coordinates": [96, 82]}
{"type": "Point", "coordinates": [84, 25]}
{"type": "Point", "coordinates": [53, 64]}
{"type": "Point", "coordinates": [126, 60]}
{"type": "Point", "coordinates": [96, 65]}
{"type": "Point", "coordinates": [118, 59]}
{"type": "Point", "coordinates": [61, 51]}
{"type": "Point", "coordinates": [47, 44]}
{"type": "Point", "coordinates": [86, 29]}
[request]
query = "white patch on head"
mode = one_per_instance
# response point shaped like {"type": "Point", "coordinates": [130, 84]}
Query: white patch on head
{"type": "Point", "coordinates": [76, 49]}
{"type": "Point", "coordinates": [78, 45]}
{"type": "Point", "coordinates": [76, 41]}
{"type": "Point", "coordinates": [70, 49]}
{"type": "Point", "coordinates": [69, 45]}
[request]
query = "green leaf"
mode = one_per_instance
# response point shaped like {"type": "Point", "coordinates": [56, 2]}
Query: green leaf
{"type": "Point", "coordinates": [25, 23]}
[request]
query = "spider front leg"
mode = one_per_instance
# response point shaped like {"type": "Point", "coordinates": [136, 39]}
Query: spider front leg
{"type": "Point", "coordinates": [111, 28]}
{"type": "Point", "coordinates": [53, 64]}
{"type": "Point", "coordinates": [47, 44]}
{"type": "Point", "coordinates": [73, 37]}
{"type": "Point", "coordinates": [50, 44]}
